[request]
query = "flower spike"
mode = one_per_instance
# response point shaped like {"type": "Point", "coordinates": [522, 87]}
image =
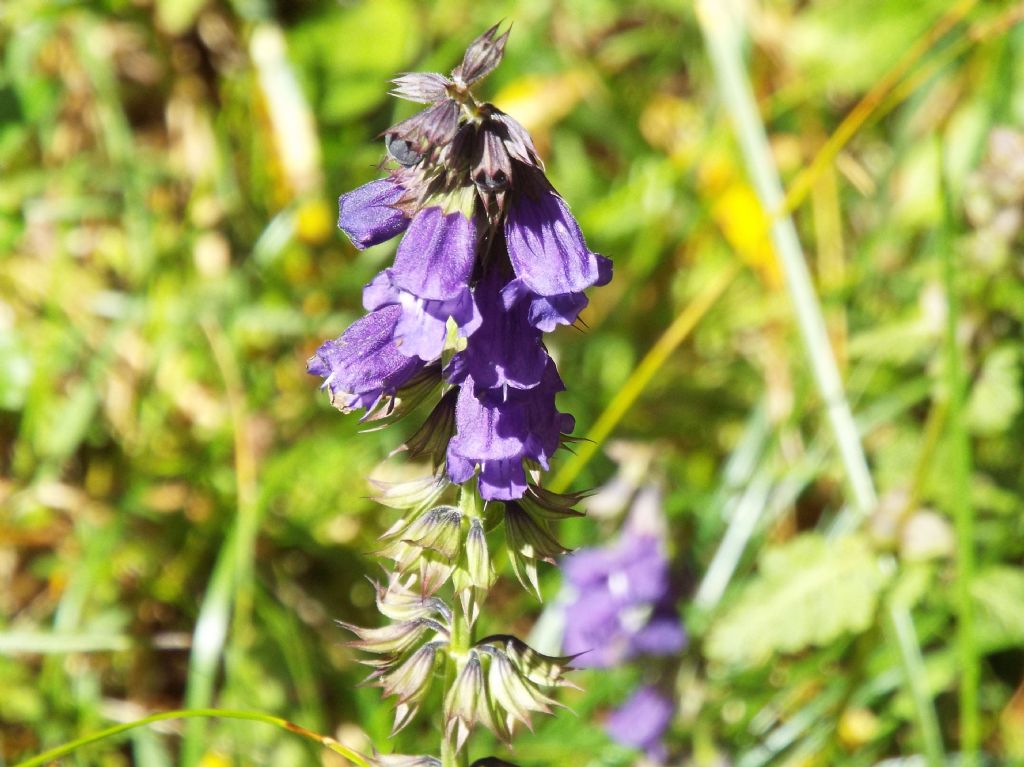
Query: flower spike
{"type": "Point", "coordinates": [490, 259]}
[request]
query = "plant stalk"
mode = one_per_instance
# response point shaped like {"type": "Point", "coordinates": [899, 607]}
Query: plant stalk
{"type": "Point", "coordinates": [963, 511]}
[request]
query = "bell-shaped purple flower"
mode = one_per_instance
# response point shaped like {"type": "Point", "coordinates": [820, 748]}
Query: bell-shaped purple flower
{"type": "Point", "coordinates": [552, 262]}
{"type": "Point", "coordinates": [506, 349]}
{"type": "Point", "coordinates": [364, 363]}
{"type": "Point", "coordinates": [368, 216]}
{"type": "Point", "coordinates": [497, 436]}
{"type": "Point", "coordinates": [623, 603]}
{"type": "Point", "coordinates": [430, 282]}
{"type": "Point", "coordinates": [642, 722]}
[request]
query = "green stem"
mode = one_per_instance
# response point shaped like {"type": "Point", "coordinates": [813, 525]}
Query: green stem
{"type": "Point", "coordinates": [461, 639]}
{"type": "Point", "coordinates": [53, 754]}
{"type": "Point", "coordinates": [721, 32]}
{"type": "Point", "coordinates": [963, 511]}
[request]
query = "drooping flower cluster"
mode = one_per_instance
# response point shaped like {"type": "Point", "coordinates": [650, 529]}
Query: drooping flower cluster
{"type": "Point", "coordinates": [622, 607]}
{"type": "Point", "coordinates": [490, 260]}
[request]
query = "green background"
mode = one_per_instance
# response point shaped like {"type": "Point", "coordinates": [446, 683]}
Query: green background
{"type": "Point", "coordinates": [168, 261]}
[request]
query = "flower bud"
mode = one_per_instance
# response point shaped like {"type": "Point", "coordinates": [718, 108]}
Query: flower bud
{"type": "Point", "coordinates": [478, 559]}
{"type": "Point", "coordinates": [473, 575]}
{"type": "Point", "coordinates": [416, 494]}
{"type": "Point", "coordinates": [394, 639]}
{"type": "Point", "coordinates": [544, 670]}
{"type": "Point", "coordinates": [466, 702]}
{"type": "Point", "coordinates": [423, 87]}
{"type": "Point", "coordinates": [511, 691]}
{"type": "Point", "coordinates": [399, 601]}
{"type": "Point", "coordinates": [410, 681]}
{"type": "Point", "coordinates": [431, 542]}
{"type": "Point", "coordinates": [482, 56]}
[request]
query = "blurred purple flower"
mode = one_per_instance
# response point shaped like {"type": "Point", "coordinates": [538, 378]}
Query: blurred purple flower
{"type": "Point", "coordinates": [364, 364]}
{"type": "Point", "coordinates": [368, 216]}
{"type": "Point", "coordinates": [497, 435]}
{"type": "Point", "coordinates": [623, 603]}
{"type": "Point", "coordinates": [642, 721]}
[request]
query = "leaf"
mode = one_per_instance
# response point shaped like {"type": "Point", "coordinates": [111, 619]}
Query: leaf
{"type": "Point", "coordinates": [998, 594]}
{"type": "Point", "coordinates": [808, 592]}
{"type": "Point", "coordinates": [996, 397]}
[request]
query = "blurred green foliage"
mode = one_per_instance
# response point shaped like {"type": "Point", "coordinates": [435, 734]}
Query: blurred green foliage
{"type": "Point", "coordinates": [169, 261]}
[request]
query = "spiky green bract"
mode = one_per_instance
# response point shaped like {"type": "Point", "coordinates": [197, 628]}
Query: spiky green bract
{"type": "Point", "coordinates": [499, 684]}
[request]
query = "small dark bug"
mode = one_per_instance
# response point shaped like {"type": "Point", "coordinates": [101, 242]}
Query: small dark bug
{"type": "Point", "coordinates": [401, 151]}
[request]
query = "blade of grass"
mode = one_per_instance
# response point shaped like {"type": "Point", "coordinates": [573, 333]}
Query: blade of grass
{"type": "Point", "coordinates": [254, 716]}
{"type": "Point", "coordinates": [721, 32]}
{"type": "Point", "coordinates": [229, 595]}
{"type": "Point", "coordinates": [642, 375]}
{"type": "Point", "coordinates": [963, 512]}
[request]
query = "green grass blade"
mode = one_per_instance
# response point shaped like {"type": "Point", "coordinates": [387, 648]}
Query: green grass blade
{"type": "Point", "coordinates": [254, 716]}
{"type": "Point", "coordinates": [963, 511]}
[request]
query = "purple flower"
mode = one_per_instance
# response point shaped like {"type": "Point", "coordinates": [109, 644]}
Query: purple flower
{"type": "Point", "coordinates": [497, 436]}
{"type": "Point", "coordinates": [364, 363]}
{"type": "Point", "coordinates": [551, 259]}
{"type": "Point", "coordinates": [506, 349]}
{"type": "Point", "coordinates": [368, 216]}
{"type": "Point", "coordinates": [623, 604]}
{"type": "Point", "coordinates": [430, 282]}
{"type": "Point", "coordinates": [642, 721]}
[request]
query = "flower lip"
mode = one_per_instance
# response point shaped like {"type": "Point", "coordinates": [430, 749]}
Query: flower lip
{"type": "Point", "coordinates": [435, 258]}
{"type": "Point", "coordinates": [497, 430]}
{"type": "Point", "coordinates": [506, 349]}
{"type": "Point", "coordinates": [546, 246]}
{"type": "Point", "coordinates": [368, 214]}
{"type": "Point", "coordinates": [364, 364]}
{"type": "Point", "coordinates": [421, 328]}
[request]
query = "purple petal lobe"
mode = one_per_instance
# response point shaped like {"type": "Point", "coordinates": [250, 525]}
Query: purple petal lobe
{"type": "Point", "coordinates": [506, 350]}
{"type": "Point", "coordinates": [495, 435]}
{"type": "Point", "coordinates": [422, 323]}
{"type": "Point", "coordinates": [364, 363]}
{"type": "Point", "coordinates": [547, 248]}
{"type": "Point", "coordinates": [435, 258]}
{"type": "Point", "coordinates": [366, 214]}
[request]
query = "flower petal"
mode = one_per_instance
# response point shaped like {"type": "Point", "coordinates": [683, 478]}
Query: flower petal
{"type": "Point", "coordinates": [422, 325]}
{"type": "Point", "coordinates": [642, 720]}
{"type": "Point", "coordinates": [364, 363]}
{"type": "Point", "coordinates": [367, 214]}
{"type": "Point", "coordinates": [547, 248]}
{"type": "Point", "coordinates": [506, 349]}
{"type": "Point", "coordinates": [435, 258]}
